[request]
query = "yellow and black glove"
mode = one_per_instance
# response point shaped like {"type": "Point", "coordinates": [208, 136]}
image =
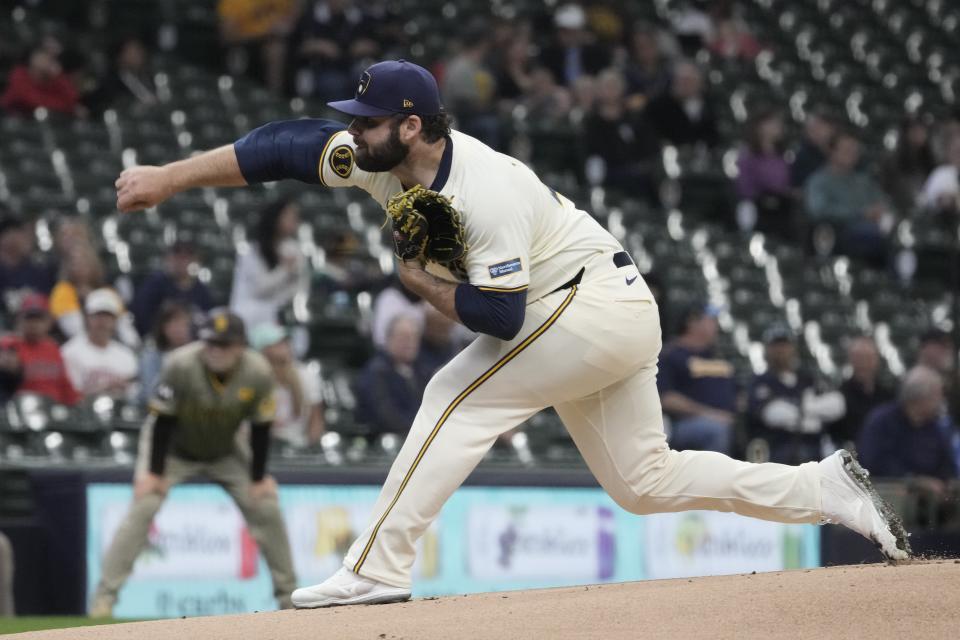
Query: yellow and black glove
{"type": "Point", "coordinates": [426, 226]}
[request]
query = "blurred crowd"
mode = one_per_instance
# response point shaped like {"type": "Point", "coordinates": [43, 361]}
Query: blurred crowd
{"type": "Point", "coordinates": [626, 92]}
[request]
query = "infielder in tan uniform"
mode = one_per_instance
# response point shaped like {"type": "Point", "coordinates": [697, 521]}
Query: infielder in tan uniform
{"type": "Point", "coordinates": [566, 318]}
{"type": "Point", "coordinates": [207, 390]}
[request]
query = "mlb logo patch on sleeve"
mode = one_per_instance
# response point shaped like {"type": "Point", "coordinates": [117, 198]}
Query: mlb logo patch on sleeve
{"type": "Point", "coordinates": [505, 268]}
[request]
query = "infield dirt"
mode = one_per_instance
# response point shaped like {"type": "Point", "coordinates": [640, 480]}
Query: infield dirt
{"type": "Point", "coordinates": [917, 600]}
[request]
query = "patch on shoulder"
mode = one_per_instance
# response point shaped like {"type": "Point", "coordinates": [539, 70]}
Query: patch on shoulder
{"type": "Point", "coordinates": [505, 268]}
{"type": "Point", "coordinates": [341, 160]}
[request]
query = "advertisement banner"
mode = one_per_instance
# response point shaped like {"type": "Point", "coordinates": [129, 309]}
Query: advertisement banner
{"type": "Point", "coordinates": [201, 560]}
{"type": "Point", "coordinates": [706, 543]}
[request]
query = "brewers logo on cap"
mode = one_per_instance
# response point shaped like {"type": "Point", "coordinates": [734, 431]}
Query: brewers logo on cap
{"type": "Point", "coordinates": [364, 83]}
{"type": "Point", "coordinates": [341, 161]}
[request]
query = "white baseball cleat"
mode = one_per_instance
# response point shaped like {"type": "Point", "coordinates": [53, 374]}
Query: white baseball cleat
{"type": "Point", "coordinates": [346, 587]}
{"type": "Point", "coordinates": [848, 498]}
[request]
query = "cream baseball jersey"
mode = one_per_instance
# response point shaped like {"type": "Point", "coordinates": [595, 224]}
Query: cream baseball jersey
{"type": "Point", "coordinates": [520, 233]}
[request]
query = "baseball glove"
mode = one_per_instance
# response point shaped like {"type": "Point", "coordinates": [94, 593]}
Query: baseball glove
{"type": "Point", "coordinates": [426, 226]}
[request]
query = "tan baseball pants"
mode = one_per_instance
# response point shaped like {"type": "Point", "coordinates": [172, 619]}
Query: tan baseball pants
{"type": "Point", "coordinates": [232, 472]}
{"type": "Point", "coordinates": [591, 352]}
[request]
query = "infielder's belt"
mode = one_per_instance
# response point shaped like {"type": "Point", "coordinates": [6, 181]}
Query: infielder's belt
{"type": "Point", "coordinates": [620, 259]}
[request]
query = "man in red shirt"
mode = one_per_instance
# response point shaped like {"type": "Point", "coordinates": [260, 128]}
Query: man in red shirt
{"type": "Point", "coordinates": [41, 365]}
{"type": "Point", "coordinates": [40, 83]}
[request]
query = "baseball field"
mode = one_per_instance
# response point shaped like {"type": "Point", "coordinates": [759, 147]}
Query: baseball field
{"type": "Point", "coordinates": [916, 600]}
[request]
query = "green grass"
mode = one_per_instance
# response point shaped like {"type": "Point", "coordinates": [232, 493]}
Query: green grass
{"type": "Point", "coordinates": [38, 623]}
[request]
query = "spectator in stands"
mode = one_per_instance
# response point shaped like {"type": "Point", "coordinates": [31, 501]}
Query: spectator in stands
{"type": "Point", "coordinates": [851, 202]}
{"type": "Point", "coordinates": [691, 24]}
{"type": "Point", "coordinates": [253, 28]}
{"type": "Point", "coordinates": [40, 82]}
{"type": "Point", "coordinates": [335, 40]}
{"type": "Point", "coordinates": [698, 390]}
{"type": "Point", "coordinates": [906, 168]}
{"type": "Point", "coordinates": [938, 351]}
{"type": "Point", "coordinates": [173, 328]}
{"type": "Point", "coordinates": [512, 66]}
{"type": "Point", "coordinates": [175, 282]}
{"type": "Point", "coordinates": [647, 67]}
{"type": "Point", "coordinates": [732, 40]}
{"type": "Point", "coordinates": [440, 340]}
{"type": "Point", "coordinates": [273, 270]}
{"type": "Point", "coordinates": [941, 191]}
{"type": "Point", "coordinates": [96, 363]}
{"type": "Point", "coordinates": [40, 364]}
{"type": "Point", "coordinates": [763, 179]}
{"type": "Point", "coordinates": [469, 87]}
{"type": "Point", "coordinates": [393, 301]}
{"type": "Point", "coordinates": [573, 52]}
{"type": "Point", "coordinates": [298, 392]}
{"type": "Point", "coordinates": [82, 272]}
{"type": "Point", "coordinates": [684, 115]}
{"type": "Point", "coordinates": [621, 149]}
{"type": "Point", "coordinates": [70, 232]}
{"type": "Point", "coordinates": [901, 439]}
{"type": "Point", "coordinates": [130, 80]}
{"type": "Point", "coordinates": [818, 129]}
{"type": "Point", "coordinates": [784, 410]}
{"type": "Point", "coordinates": [547, 104]}
{"type": "Point", "coordinates": [862, 392]}
{"type": "Point", "coordinates": [10, 370]}
{"type": "Point", "coordinates": [19, 272]}
{"type": "Point", "coordinates": [390, 387]}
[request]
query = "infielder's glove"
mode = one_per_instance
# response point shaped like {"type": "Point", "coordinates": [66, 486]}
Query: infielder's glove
{"type": "Point", "coordinates": [426, 226]}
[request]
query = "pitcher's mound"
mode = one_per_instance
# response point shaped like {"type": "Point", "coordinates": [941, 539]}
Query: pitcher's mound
{"type": "Point", "coordinates": [918, 600]}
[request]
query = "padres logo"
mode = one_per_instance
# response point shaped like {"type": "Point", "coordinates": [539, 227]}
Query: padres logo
{"type": "Point", "coordinates": [341, 161]}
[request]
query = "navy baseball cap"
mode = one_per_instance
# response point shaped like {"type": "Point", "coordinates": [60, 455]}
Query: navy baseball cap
{"type": "Point", "coordinates": [393, 86]}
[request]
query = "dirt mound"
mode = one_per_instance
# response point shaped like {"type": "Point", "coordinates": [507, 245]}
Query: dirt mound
{"type": "Point", "coordinates": [876, 601]}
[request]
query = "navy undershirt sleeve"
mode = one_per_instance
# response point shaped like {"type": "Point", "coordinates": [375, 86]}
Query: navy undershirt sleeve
{"type": "Point", "coordinates": [285, 149]}
{"type": "Point", "coordinates": [496, 313]}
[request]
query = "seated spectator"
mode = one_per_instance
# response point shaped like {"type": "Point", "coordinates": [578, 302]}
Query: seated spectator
{"type": "Point", "coordinates": [96, 363]}
{"type": "Point", "coordinates": [574, 52]}
{"type": "Point", "coordinates": [69, 233]}
{"type": "Point", "coordinates": [938, 352]}
{"type": "Point", "coordinates": [175, 282]}
{"type": "Point", "coordinates": [684, 115]}
{"type": "Point", "coordinates": [648, 69]}
{"type": "Point", "coordinates": [441, 340]}
{"type": "Point", "coordinates": [941, 191]}
{"type": "Point", "coordinates": [273, 270]}
{"type": "Point", "coordinates": [906, 168]}
{"type": "Point", "coordinates": [40, 82]}
{"type": "Point", "coordinates": [251, 28]}
{"type": "Point", "coordinates": [818, 129]}
{"type": "Point", "coordinates": [862, 392]}
{"type": "Point", "coordinates": [19, 272]}
{"type": "Point", "coordinates": [763, 179]}
{"type": "Point", "coordinates": [784, 411]}
{"type": "Point", "coordinates": [173, 328]}
{"type": "Point", "coordinates": [698, 391]}
{"type": "Point", "coordinates": [393, 301]}
{"type": "Point", "coordinates": [390, 387]}
{"type": "Point", "coordinates": [513, 64]}
{"type": "Point", "coordinates": [691, 24]}
{"type": "Point", "coordinates": [547, 103]}
{"type": "Point", "coordinates": [40, 364]}
{"type": "Point", "coordinates": [298, 392]}
{"type": "Point", "coordinates": [901, 439]}
{"type": "Point", "coordinates": [82, 272]}
{"type": "Point", "coordinates": [469, 87]}
{"type": "Point", "coordinates": [621, 149]}
{"type": "Point", "coordinates": [732, 40]}
{"type": "Point", "coordinates": [130, 79]}
{"type": "Point", "coordinates": [851, 202]}
{"type": "Point", "coordinates": [333, 42]}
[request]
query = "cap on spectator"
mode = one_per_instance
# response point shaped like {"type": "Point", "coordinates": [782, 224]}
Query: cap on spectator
{"type": "Point", "coordinates": [223, 327]}
{"type": "Point", "coordinates": [266, 335]}
{"type": "Point", "coordinates": [34, 304]}
{"type": "Point", "coordinates": [570, 16]}
{"type": "Point", "coordinates": [393, 86]}
{"type": "Point", "coordinates": [777, 333]}
{"type": "Point", "coordinates": [103, 301]}
{"type": "Point", "coordinates": [936, 335]}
